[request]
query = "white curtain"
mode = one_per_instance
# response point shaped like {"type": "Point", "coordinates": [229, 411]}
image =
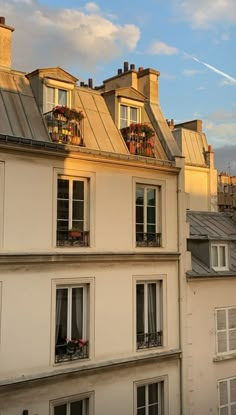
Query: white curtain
{"type": "Point", "coordinates": [152, 320]}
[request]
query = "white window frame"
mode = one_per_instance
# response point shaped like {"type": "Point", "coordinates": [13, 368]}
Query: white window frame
{"type": "Point", "coordinates": [89, 396]}
{"type": "Point", "coordinates": [2, 195]}
{"type": "Point", "coordinates": [161, 383]}
{"type": "Point", "coordinates": [218, 246]}
{"type": "Point", "coordinates": [229, 403]}
{"type": "Point", "coordinates": [226, 330]}
{"type": "Point", "coordinates": [129, 119]}
{"type": "Point", "coordinates": [56, 85]}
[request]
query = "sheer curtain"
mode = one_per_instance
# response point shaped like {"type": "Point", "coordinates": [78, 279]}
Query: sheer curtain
{"type": "Point", "coordinates": [58, 314]}
{"type": "Point", "coordinates": [152, 317]}
{"type": "Point", "coordinates": [77, 313]}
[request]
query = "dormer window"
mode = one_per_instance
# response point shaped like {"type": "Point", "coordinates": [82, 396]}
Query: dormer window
{"type": "Point", "coordinates": [56, 96]}
{"type": "Point", "coordinates": [219, 257]}
{"type": "Point", "coordinates": [128, 115]}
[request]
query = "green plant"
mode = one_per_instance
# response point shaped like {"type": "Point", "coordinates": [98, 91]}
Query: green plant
{"type": "Point", "coordinates": [68, 113]}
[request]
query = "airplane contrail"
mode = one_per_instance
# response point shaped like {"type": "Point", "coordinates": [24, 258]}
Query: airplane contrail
{"type": "Point", "coordinates": [212, 68]}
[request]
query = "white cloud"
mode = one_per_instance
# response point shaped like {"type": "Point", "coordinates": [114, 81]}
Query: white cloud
{"type": "Point", "coordinates": [204, 13]}
{"type": "Point", "coordinates": [47, 36]}
{"type": "Point", "coordinates": [191, 72]}
{"type": "Point", "coordinates": [161, 48]}
{"type": "Point", "coordinates": [221, 133]}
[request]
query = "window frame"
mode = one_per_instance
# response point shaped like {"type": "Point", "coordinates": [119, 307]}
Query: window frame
{"type": "Point", "coordinates": [161, 384]}
{"type": "Point", "coordinates": [2, 196]}
{"type": "Point", "coordinates": [56, 85]}
{"type": "Point", "coordinates": [128, 119]}
{"type": "Point", "coordinates": [229, 402]}
{"type": "Point", "coordinates": [227, 330]}
{"type": "Point", "coordinates": [74, 398]}
{"type": "Point", "coordinates": [219, 245]}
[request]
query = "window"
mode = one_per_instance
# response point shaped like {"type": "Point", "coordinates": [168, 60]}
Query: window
{"type": "Point", "coordinates": [56, 96]}
{"type": "Point", "coordinates": [219, 256]}
{"type": "Point", "coordinates": [148, 314]}
{"type": "Point", "coordinates": [150, 399]}
{"type": "Point", "coordinates": [72, 211]}
{"type": "Point", "coordinates": [147, 216]}
{"type": "Point", "coordinates": [226, 330]}
{"type": "Point", "coordinates": [71, 334]}
{"type": "Point", "coordinates": [79, 407]}
{"type": "Point", "coordinates": [128, 115]}
{"type": "Point", "coordinates": [227, 396]}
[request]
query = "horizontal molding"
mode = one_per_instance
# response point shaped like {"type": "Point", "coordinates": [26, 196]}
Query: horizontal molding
{"type": "Point", "coordinates": [140, 358]}
{"type": "Point", "coordinates": [87, 257]}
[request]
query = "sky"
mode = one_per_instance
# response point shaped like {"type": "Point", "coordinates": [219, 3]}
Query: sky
{"type": "Point", "coordinates": [191, 43]}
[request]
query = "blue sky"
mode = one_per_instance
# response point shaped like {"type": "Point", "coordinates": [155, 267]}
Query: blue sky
{"type": "Point", "coordinates": [191, 43]}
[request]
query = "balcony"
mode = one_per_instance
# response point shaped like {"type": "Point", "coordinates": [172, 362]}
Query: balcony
{"type": "Point", "coordinates": [69, 238]}
{"type": "Point", "coordinates": [65, 125]}
{"type": "Point", "coordinates": [139, 139]}
{"type": "Point", "coordinates": [148, 239]}
{"type": "Point", "coordinates": [71, 350]}
{"type": "Point", "coordinates": [148, 340]}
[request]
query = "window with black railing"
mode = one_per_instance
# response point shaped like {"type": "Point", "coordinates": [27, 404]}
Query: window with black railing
{"type": "Point", "coordinates": [148, 315]}
{"type": "Point", "coordinates": [148, 216]}
{"type": "Point", "coordinates": [72, 212]}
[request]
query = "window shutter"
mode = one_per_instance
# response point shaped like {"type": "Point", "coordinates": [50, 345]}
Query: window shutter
{"type": "Point", "coordinates": [223, 393]}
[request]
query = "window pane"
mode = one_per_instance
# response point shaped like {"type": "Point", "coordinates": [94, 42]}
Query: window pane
{"type": "Point", "coordinates": [140, 396]}
{"type": "Point", "coordinates": [61, 315]}
{"type": "Point", "coordinates": [152, 322]}
{"type": "Point", "coordinates": [221, 319]}
{"type": "Point", "coordinates": [123, 116]}
{"type": "Point", "coordinates": [76, 408]}
{"type": "Point", "coordinates": [60, 410]}
{"type": "Point", "coordinates": [78, 210]}
{"type": "Point", "coordinates": [151, 215]}
{"type": "Point", "coordinates": [233, 390]}
{"type": "Point", "coordinates": [232, 340]}
{"type": "Point", "coordinates": [151, 229]}
{"type": "Point", "coordinates": [141, 411]}
{"type": "Point", "coordinates": [222, 256]}
{"type": "Point", "coordinates": [133, 115]}
{"type": "Point", "coordinates": [233, 409]}
{"type": "Point", "coordinates": [152, 393]}
{"type": "Point", "coordinates": [139, 214]}
{"type": "Point", "coordinates": [232, 318]}
{"type": "Point", "coordinates": [140, 308]}
{"type": "Point", "coordinates": [63, 189]}
{"type": "Point", "coordinates": [214, 256]}
{"type": "Point", "coordinates": [62, 97]}
{"type": "Point", "coordinates": [77, 313]}
{"type": "Point", "coordinates": [153, 410]}
{"type": "Point", "coordinates": [224, 411]}
{"type": "Point", "coordinates": [151, 197]}
{"type": "Point", "coordinates": [222, 341]}
{"type": "Point", "coordinates": [223, 393]}
{"type": "Point", "coordinates": [139, 196]}
{"type": "Point", "coordinates": [62, 209]}
{"type": "Point", "coordinates": [78, 190]}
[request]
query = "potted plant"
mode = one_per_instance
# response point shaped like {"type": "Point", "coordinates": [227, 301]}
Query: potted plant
{"type": "Point", "coordinates": [63, 112]}
{"type": "Point", "coordinates": [75, 232]}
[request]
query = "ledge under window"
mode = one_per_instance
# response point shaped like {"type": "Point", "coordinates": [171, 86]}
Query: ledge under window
{"type": "Point", "coordinates": [222, 357]}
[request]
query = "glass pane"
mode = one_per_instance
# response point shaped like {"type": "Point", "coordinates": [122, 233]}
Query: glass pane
{"type": "Point", "coordinates": [233, 409]}
{"type": "Point", "coordinates": [123, 112]}
{"type": "Point", "coordinates": [140, 308]}
{"type": "Point", "coordinates": [62, 209]}
{"type": "Point", "coordinates": [151, 229]}
{"type": "Point", "coordinates": [139, 228]}
{"type": "Point", "coordinates": [62, 97]}
{"type": "Point", "coordinates": [221, 319]}
{"type": "Point", "coordinates": [141, 411]}
{"type": "Point", "coordinates": [78, 224]}
{"type": "Point", "coordinates": [139, 214]}
{"type": "Point", "coordinates": [78, 190]}
{"type": "Point", "coordinates": [61, 315]}
{"type": "Point", "coordinates": [151, 197]}
{"type": "Point", "coordinates": [63, 189]}
{"type": "Point", "coordinates": [139, 196]}
{"type": "Point", "coordinates": [151, 215]}
{"type": "Point", "coordinates": [152, 318]}
{"type": "Point", "coordinates": [78, 210]}
{"type": "Point", "coordinates": [140, 396]}
{"type": "Point", "coordinates": [224, 411]}
{"type": "Point", "coordinates": [77, 314]}
{"type": "Point", "coordinates": [133, 115]}
{"type": "Point", "coordinates": [223, 393]}
{"type": "Point", "coordinates": [153, 410]}
{"type": "Point", "coordinates": [76, 408]}
{"type": "Point", "coordinates": [232, 340]}
{"type": "Point", "coordinates": [152, 393]}
{"type": "Point", "coordinates": [233, 390]}
{"type": "Point", "coordinates": [222, 256]}
{"type": "Point", "coordinates": [214, 256]}
{"type": "Point", "coordinates": [60, 410]}
{"type": "Point", "coordinates": [222, 342]}
{"type": "Point", "coordinates": [232, 318]}
{"type": "Point", "coordinates": [62, 225]}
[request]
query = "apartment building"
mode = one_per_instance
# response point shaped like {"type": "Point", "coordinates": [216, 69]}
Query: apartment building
{"type": "Point", "coordinates": [226, 192]}
{"type": "Point", "coordinates": [92, 224]}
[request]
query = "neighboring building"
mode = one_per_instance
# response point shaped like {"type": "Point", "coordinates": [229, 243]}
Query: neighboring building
{"type": "Point", "coordinates": [200, 172]}
{"type": "Point", "coordinates": [90, 320]}
{"type": "Point", "coordinates": [210, 343]}
{"type": "Point", "coordinates": [226, 192]}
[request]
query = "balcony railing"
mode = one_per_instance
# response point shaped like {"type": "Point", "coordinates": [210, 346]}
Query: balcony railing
{"type": "Point", "coordinates": [148, 239]}
{"type": "Point", "coordinates": [139, 139]}
{"type": "Point", "coordinates": [63, 130]}
{"type": "Point", "coordinates": [148, 340]}
{"type": "Point", "coordinates": [71, 350]}
{"type": "Point", "coordinates": [66, 239]}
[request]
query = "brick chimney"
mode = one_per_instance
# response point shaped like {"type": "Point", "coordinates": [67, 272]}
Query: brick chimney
{"type": "Point", "coordinates": [5, 44]}
{"type": "Point", "coordinates": [148, 83]}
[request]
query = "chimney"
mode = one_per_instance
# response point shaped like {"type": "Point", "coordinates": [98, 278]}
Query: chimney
{"type": "Point", "coordinates": [148, 84]}
{"type": "Point", "coordinates": [126, 66]}
{"type": "Point", "coordinates": [5, 44]}
{"type": "Point", "coordinates": [119, 71]}
{"type": "Point", "coordinates": [90, 83]}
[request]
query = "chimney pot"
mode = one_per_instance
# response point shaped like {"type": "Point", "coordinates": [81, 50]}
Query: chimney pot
{"type": "Point", "coordinates": [132, 66]}
{"type": "Point", "coordinates": [90, 83]}
{"type": "Point", "coordinates": [140, 68]}
{"type": "Point", "coordinates": [126, 66]}
{"type": "Point", "coordinates": [81, 83]}
{"type": "Point", "coordinates": [119, 72]}
{"type": "Point", "coordinates": [2, 20]}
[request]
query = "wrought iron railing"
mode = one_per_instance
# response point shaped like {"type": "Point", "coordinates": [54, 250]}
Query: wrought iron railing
{"type": "Point", "coordinates": [148, 239]}
{"type": "Point", "coordinates": [63, 130]}
{"type": "Point", "coordinates": [71, 350]}
{"type": "Point", "coordinates": [148, 340]}
{"type": "Point", "coordinates": [65, 239]}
